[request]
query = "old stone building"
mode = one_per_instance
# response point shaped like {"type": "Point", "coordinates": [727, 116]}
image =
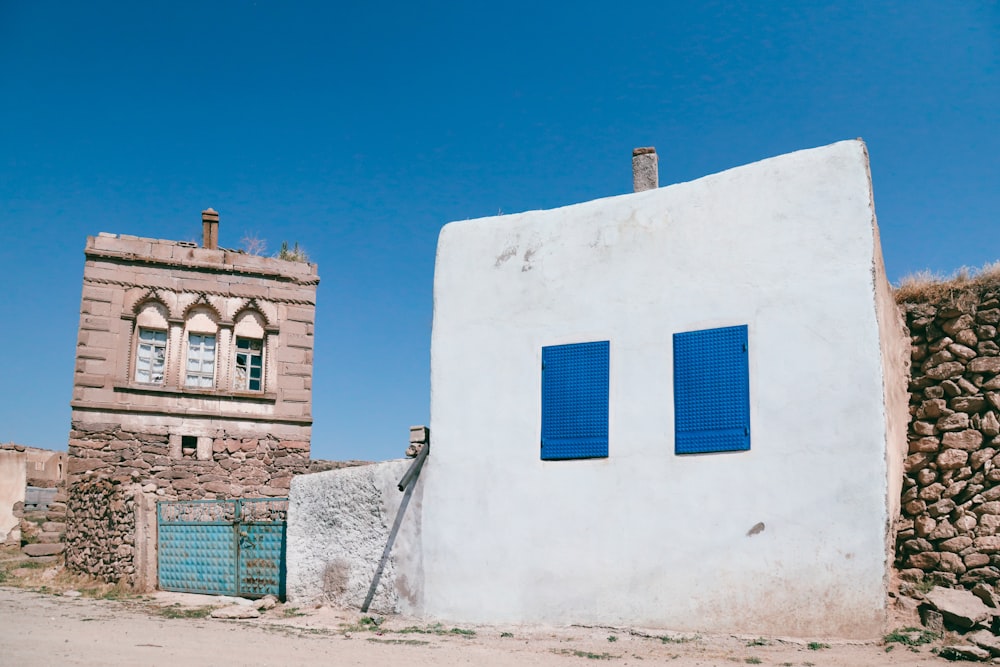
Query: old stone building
{"type": "Point", "coordinates": [193, 367]}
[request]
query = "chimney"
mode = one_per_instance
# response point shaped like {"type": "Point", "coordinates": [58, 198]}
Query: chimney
{"type": "Point", "coordinates": [210, 228]}
{"type": "Point", "coordinates": [645, 173]}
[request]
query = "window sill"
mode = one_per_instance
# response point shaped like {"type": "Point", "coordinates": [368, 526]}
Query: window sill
{"type": "Point", "coordinates": [161, 390]}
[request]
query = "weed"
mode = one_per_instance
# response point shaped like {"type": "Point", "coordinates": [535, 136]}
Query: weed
{"type": "Point", "coordinates": [815, 646]}
{"type": "Point", "coordinates": [506, 634]}
{"type": "Point", "coordinates": [176, 611]}
{"type": "Point", "coordinates": [372, 622]}
{"type": "Point", "coordinates": [760, 641]}
{"type": "Point", "coordinates": [583, 654]}
{"type": "Point", "coordinates": [752, 660]}
{"type": "Point", "coordinates": [910, 636]}
{"type": "Point", "coordinates": [293, 254]}
{"type": "Point", "coordinates": [463, 632]}
{"type": "Point", "coordinates": [612, 638]}
{"type": "Point", "coordinates": [3, 576]}
{"type": "Point", "coordinates": [290, 612]}
{"type": "Point", "coordinates": [667, 639]}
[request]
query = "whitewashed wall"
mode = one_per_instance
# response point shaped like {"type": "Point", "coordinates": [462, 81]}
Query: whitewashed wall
{"type": "Point", "coordinates": [338, 524]}
{"type": "Point", "coordinates": [787, 246]}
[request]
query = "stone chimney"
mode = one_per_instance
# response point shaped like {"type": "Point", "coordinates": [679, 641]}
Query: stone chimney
{"type": "Point", "coordinates": [645, 172]}
{"type": "Point", "coordinates": [210, 228]}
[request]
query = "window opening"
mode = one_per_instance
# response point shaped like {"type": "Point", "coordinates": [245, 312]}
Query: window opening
{"type": "Point", "coordinates": [189, 446]}
{"type": "Point", "coordinates": [249, 364]}
{"type": "Point", "coordinates": [150, 356]}
{"type": "Point", "coordinates": [201, 360]}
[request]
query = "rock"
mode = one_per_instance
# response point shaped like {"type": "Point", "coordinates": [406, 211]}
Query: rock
{"type": "Point", "coordinates": [965, 523]}
{"type": "Point", "coordinates": [989, 424]}
{"type": "Point", "coordinates": [985, 639]}
{"type": "Point", "coordinates": [960, 608]}
{"type": "Point", "coordinates": [926, 476]}
{"type": "Point", "coordinates": [939, 344]}
{"type": "Point", "coordinates": [267, 602]}
{"type": "Point", "coordinates": [982, 365]}
{"type": "Point", "coordinates": [969, 440]}
{"type": "Point", "coordinates": [967, 337]}
{"type": "Point", "coordinates": [42, 549]}
{"type": "Point", "coordinates": [953, 422]}
{"type": "Point", "coordinates": [923, 526]}
{"type": "Point", "coordinates": [981, 456]}
{"type": "Point", "coordinates": [931, 618]}
{"type": "Point", "coordinates": [951, 563]}
{"type": "Point", "coordinates": [943, 531]}
{"type": "Point", "coordinates": [920, 459]}
{"type": "Point", "coordinates": [951, 388]}
{"type": "Point", "coordinates": [927, 560]}
{"type": "Point", "coordinates": [932, 493]}
{"type": "Point", "coordinates": [964, 321]}
{"type": "Point", "coordinates": [964, 652]}
{"type": "Point", "coordinates": [236, 611]}
{"type": "Point", "coordinates": [915, 507]}
{"type": "Point", "coordinates": [933, 408]}
{"type": "Point", "coordinates": [71, 594]}
{"type": "Point", "coordinates": [968, 404]}
{"type": "Point", "coordinates": [988, 544]}
{"type": "Point", "coordinates": [961, 351]}
{"type": "Point", "coordinates": [949, 459]}
{"type": "Point", "coordinates": [54, 527]}
{"type": "Point", "coordinates": [922, 428]}
{"type": "Point", "coordinates": [955, 544]}
{"type": "Point", "coordinates": [986, 594]}
{"type": "Point", "coordinates": [941, 508]}
{"type": "Point", "coordinates": [935, 391]}
{"type": "Point", "coordinates": [975, 560]}
{"type": "Point", "coordinates": [991, 316]}
{"type": "Point", "coordinates": [929, 444]}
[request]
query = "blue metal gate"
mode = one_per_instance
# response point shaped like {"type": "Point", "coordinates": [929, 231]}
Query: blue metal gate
{"type": "Point", "coordinates": [222, 547]}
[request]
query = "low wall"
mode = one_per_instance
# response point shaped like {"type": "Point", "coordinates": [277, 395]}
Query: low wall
{"type": "Point", "coordinates": [949, 528]}
{"type": "Point", "coordinates": [338, 525]}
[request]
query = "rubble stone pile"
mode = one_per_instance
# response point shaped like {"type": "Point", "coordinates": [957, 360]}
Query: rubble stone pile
{"type": "Point", "coordinates": [949, 528]}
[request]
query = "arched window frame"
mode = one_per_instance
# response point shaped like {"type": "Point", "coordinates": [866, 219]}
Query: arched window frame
{"type": "Point", "coordinates": [249, 351]}
{"type": "Point", "coordinates": [149, 355]}
{"type": "Point", "coordinates": [200, 367]}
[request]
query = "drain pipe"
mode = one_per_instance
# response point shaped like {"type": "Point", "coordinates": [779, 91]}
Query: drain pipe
{"type": "Point", "coordinates": [406, 484]}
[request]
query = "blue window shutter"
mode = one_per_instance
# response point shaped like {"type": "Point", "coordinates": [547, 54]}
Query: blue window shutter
{"type": "Point", "coordinates": [711, 391]}
{"type": "Point", "coordinates": [575, 401]}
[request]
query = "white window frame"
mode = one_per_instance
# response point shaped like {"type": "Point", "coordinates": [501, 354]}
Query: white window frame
{"type": "Point", "coordinates": [202, 360]}
{"type": "Point", "coordinates": [146, 355]}
{"type": "Point", "coordinates": [243, 372]}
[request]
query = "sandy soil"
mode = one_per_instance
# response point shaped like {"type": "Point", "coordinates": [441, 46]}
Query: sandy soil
{"type": "Point", "coordinates": [52, 629]}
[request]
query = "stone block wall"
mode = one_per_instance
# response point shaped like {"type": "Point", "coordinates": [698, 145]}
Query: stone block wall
{"type": "Point", "coordinates": [949, 527]}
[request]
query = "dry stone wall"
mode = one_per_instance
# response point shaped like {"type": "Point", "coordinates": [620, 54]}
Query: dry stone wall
{"type": "Point", "coordinates": [233, 467]}
{"type": "Point", "coordinates": [101, 529]}
{"type": "Point", "coordinates": [949, 529]}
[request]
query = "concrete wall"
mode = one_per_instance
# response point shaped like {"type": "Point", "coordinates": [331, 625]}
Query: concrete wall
{"type": "Point", "coordinates": [787, 538]}
{"type": "Point", "coordinates": [338, 524]}
{"type": "Point", "coordinates": [12, 483]}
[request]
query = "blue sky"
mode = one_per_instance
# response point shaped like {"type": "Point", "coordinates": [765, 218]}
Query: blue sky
{"type": "Point", "coordinates": [358, 131]}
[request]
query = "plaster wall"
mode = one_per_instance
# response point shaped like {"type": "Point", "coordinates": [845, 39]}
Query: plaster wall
{"type": "Point", "coordinates": [788, 538]}
{"type": "Point", "coordinates": [12, 483]}
{"type": "Point", "coordinates": [338, 524]}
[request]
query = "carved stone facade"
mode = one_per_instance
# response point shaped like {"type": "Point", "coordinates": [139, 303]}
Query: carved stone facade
{"type": "Point", "coordinates": [193, 368]}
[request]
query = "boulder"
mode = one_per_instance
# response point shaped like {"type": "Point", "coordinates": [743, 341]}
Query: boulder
{"type": "Point", "coordinates": [42, 549]}
{"type": "Point", "coordinates": [960, 608]}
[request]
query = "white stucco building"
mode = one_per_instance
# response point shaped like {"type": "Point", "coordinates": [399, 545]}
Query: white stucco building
{"type": "Point", "coordinates": [681, 408]}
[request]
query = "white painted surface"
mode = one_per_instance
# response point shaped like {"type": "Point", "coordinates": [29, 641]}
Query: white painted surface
{"type": "Point", "coordinates": [13, 479]}
{"type": "Point", "coordinates": [338, 524]}
{"type": "Point", "coordinates": [644, 536]}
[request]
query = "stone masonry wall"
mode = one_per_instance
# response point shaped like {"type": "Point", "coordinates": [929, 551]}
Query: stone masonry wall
{"type": "Point", "coordinates": [236, 467]}
{"type": "Point", "coordinates": [101, 528]}
{"type": "Point", "coordinates": [949, 528]}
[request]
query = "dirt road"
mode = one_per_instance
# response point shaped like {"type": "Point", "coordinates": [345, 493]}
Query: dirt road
{"type": "Point", "coordinates": [171, 630]}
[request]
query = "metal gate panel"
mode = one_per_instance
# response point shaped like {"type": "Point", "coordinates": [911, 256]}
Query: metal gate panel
{"type": "Point", "coordinates": [223, 547]}
{"type": "Point", "coordinates": [262, 547]}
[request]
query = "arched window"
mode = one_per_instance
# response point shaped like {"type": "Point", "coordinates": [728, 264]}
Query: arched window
{"type": "Point", "coordinates": [201, 329]}
{"type": "Point", "coordinates": [151, 343]}
{"type": "Point", "coordinates": [248, 366]}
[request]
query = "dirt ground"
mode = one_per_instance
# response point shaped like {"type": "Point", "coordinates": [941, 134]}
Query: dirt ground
{"type": "Point", "coordinates": [170, 629]}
